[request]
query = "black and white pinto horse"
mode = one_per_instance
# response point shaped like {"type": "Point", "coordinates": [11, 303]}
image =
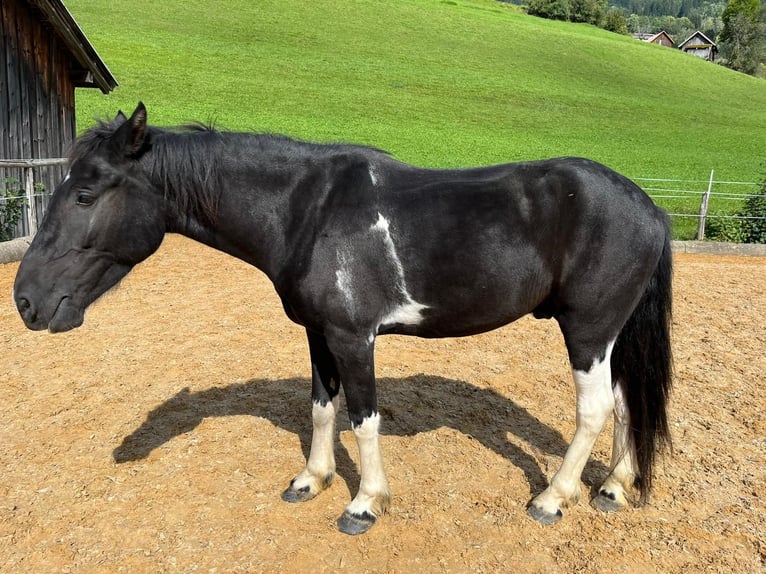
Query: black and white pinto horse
{"type": "Point", "coordinates": [358, 245]}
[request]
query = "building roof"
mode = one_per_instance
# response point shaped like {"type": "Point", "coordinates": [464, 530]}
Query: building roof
{"type": "Point", "coordinates": [93, 72]}
{"type": "Point", "coordinates": [652, 38]}
{"type": "Point", "coordinates": [656, 36]}
{"type": "Point", "coordinates": [704, 40]}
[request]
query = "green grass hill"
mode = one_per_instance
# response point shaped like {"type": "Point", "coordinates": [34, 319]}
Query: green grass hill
{"type": "Point", "coordinates": [435, 82]}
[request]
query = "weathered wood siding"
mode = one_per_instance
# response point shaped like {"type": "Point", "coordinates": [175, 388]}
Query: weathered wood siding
{"type": "Point", "coordinates": [37, 100]}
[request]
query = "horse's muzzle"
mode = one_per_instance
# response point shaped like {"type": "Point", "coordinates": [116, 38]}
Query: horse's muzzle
{"type": "Point", "coordinates": [64, 317]}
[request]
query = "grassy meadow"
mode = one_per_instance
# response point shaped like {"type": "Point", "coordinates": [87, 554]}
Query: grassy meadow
{"type": "Point", "coordinates": [435, 82]}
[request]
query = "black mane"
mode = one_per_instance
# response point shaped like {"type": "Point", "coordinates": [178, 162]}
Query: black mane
{"type": "Point", "coordinates": [186, 162]}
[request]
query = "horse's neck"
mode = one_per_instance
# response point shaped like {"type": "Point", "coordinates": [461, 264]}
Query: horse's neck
{"type": "Point", "coordinates": [247, 225]}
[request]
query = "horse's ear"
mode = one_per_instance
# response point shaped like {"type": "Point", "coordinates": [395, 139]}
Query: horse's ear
{"type": "Point", "coordinates": [131, 135]}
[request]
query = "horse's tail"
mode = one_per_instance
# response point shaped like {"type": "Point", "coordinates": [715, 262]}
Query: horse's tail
{"type": "Point", "coordinates": [642, 364]}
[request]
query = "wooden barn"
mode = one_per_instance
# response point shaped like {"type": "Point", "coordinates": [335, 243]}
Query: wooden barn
{"type": "Point", "coordinates": [700, 45]}
{"type": "Point", "coordinates": [661, 39]}
{"type": "Point", "coordinates": [44, 56]}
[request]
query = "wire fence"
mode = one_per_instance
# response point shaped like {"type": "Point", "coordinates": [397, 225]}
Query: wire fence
{"type": "Point", "coordinates": [687, 201]}
{"type": "Point", "coordinates": [694, 202]}
{"type": "Point", "coordinates": [23, 198]}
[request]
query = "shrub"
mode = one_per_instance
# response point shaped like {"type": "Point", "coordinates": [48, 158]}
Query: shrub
{"type": "Point", "coordinates": [721, 227]}
{"type": "Point", "coordinates": [750, 228]}
{"type": "Point", "coordinates": [12, 202]}
{"type": "Point", "coordinates": [754, 227]}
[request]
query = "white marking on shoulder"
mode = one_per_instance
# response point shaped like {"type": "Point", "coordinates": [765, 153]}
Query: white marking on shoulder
{"type": "Point", "coordinates": [343, 280]}
{"type": "Point", "coordinates": [373, 175]}
{"type": "Point", "coordinates": [408, 311]}
{"type": "Point", "coordinates": [381, 225]}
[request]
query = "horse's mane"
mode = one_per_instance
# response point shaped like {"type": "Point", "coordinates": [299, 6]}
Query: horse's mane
{"type": "Point", "coordinates": [186, 162]}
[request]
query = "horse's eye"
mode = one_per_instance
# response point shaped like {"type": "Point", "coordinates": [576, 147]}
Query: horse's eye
{"type": "Point", "coordinates": [85, 199]}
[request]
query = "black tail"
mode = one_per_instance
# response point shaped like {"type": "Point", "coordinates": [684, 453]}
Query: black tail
{"type": "Point", "coordinates": [642, 364]}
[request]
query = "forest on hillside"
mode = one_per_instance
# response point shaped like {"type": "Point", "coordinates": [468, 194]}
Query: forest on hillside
{"type": "Point", "coordinates": [679, 18]}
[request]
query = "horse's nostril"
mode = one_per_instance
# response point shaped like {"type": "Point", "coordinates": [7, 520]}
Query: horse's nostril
{"type": "Point", "coordinates": [26, 309]}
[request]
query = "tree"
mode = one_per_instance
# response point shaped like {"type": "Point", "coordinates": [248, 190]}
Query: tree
{"type": "Point", "coordinates": [588, 11]}
{"type": "Point", "coordinates": [615, 21]}
{"type": "Point", "coordinates": [550, 9]}
{"type": "Point", "coordinates": [743, 38]}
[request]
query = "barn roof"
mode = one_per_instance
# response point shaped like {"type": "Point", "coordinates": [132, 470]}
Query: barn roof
{"type": "Point", "coordinates": [701, 39]}
{"type": "Point", "coordinates": [93, 72]}
{"type": "Point", "coordinates": [659, 34]}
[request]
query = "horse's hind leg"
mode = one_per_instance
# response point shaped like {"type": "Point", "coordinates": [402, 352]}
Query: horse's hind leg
{"type": "Point", "coordinates": [325, 385]}
{"type": "Point", "coordinates": [595, 402]}
{"type": "Point", "coordinates": [612, 495]}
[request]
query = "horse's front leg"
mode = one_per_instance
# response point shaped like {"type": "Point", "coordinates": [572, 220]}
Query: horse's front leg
{"type": "Point", "coordinates": [354, 357]}
{"type": "Point", "coordinates": [325, 386]}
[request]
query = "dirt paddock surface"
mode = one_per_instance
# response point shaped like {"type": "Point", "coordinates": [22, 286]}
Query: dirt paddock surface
{"type": "Point", "coordinates": [158, 437]}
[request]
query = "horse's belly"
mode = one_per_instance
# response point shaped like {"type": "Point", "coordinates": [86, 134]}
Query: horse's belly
{"type": "Point", "coordinates": [459, 314]}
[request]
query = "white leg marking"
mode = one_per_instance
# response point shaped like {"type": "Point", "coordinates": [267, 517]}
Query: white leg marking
{"type": "Point", "coordinates": [595, 401]}
{"type": "Point", "coordinates": [623, 468]}
{"type": "Point", "coordinates": [408, 311]}
{"type": "Point", "coordinates": [320, 467]}
{"type": "Point", "coordinates": [374, 494]}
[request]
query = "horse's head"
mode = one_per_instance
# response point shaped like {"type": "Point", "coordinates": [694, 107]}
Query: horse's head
{"type": "Point", "coordinates": [103, 219]}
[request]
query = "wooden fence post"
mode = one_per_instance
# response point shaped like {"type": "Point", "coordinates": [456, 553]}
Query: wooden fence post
{"type": "Point", "coordinates": [703, 208]}
{"type": "Point", "coordinates": [29, 186]}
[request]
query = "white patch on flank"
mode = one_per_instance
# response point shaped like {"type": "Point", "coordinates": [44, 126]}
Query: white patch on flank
{"type": "Point", "coordinates": [373, 492]}
{"type": "Point", "coordinates": [408, 311]}
{"type": "Point", "coordinates": [373, 175]}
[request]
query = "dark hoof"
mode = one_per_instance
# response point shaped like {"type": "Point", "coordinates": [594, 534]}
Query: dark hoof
{"type": "Point", "coordinates": [544, 517]}
{"type": "Point", "coordinates": [297, 494]}
{"type": "Point", "coordinates": [606, 502]}
{"type": "Point", "coordinates": [355, 524]}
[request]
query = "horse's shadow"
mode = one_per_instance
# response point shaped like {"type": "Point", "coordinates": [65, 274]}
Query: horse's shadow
{"type": "Point", "coordinates": [408, 406]}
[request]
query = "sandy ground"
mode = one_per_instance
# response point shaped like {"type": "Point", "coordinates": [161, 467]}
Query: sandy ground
{"type": "Point", "coordinates": [158, 437]}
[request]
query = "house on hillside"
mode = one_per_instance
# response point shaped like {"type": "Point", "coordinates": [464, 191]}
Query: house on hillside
{"type": "Point", "coordinates": [45, 56]}
{"type": "Point", "coordinates": [661, 38]}
{"type": "Point", "coordinates": [699, 45]}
